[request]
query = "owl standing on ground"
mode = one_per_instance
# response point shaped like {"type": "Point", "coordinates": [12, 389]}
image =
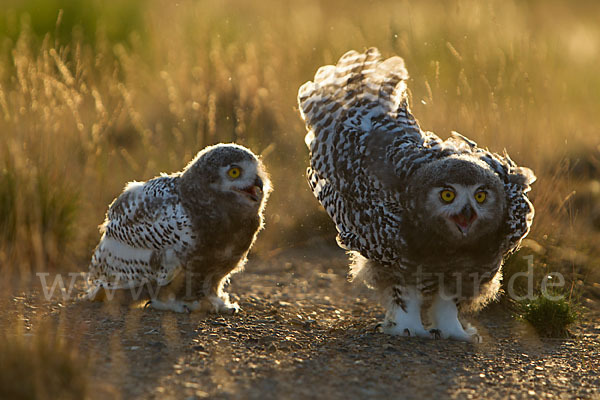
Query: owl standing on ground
{"type": "Point", "coordinates": [177, 238]}
{"type": "Point", "coordinates": [427, 222]}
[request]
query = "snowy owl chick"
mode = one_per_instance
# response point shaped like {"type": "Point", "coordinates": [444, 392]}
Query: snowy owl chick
{"type": "Point", "coordinates": [428, 222]}
{"type": "Point", "coordinates": [177, 238]}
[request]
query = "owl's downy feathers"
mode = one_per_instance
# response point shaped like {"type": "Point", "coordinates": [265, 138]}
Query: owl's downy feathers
{"type": "Point", "coordinates": [414, 209]}
{"type": "Point", "coordinates": [180, 236]}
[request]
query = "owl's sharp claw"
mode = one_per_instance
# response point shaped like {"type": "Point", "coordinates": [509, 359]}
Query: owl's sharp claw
{"type": "Point", "coordinates": [232, 309]}
{"type": "Point", "coordinates": [476, 338]}
{"type": "Point", "coordinates": [187, 309]}
{"type": "Point", "coordinates": [436, 334]}
{"type": "Point", "coordinates": [378, 327]}
{"type": "Point", "coordinates": [148, 304]}
{"type": "Point", "coordinates": [406, 332]}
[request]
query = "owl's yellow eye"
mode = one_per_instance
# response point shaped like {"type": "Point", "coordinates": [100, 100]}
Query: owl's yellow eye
{"type": "Point", "coordinates": [234, 172]}
{"type": "Point", "coordinates": [447, 195]}
{"type": "Point", "coordinates": [480, 197]}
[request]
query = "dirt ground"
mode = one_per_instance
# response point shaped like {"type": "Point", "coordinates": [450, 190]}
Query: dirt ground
{"type": "Point", "coordinates": [305, 332]}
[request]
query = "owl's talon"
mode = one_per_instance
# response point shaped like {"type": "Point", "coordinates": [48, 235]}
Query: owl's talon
{"type": "Point", "coordinates": [436, 334]}
{"type": "Point", "coordinates": [406, 332]}
{"type": "Point", "coordinates": [378, 327]}
{"type": "Point", "coordinates": [186, 309]}
{"type": "Point", "coordinates": [148, 304]}
{"type": "Point", "coordinates": [233, 309]}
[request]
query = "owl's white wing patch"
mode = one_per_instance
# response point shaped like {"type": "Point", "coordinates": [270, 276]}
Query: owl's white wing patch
{"type": "Point", "coordinates": [354, 103]}
{"type": "Point", "coordinates": [146, 234]}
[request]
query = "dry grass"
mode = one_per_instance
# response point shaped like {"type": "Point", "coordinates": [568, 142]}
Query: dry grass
{"type": "Point", "coordinates": [86, 107]}
{"type": "Point", "coordinates": [83, 112]}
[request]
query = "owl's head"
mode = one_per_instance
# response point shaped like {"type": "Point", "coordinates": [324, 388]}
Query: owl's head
{"type": "Point", "coordinates": [460, 198]}
{"type": "Point", "coordinates": [232, 171]}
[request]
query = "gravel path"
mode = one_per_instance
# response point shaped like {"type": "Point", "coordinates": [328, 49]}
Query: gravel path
{"type": "Point", "coordinates": [305, 332]}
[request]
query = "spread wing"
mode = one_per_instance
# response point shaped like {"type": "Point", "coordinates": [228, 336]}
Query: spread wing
{"type": "Point", "coordinates": [343, 107]}
{"type": "Point", "coordinates": [146, 235]}
{"type": "Point", "coordinates": [359, 123]}
{"type": "Point", "coordinates": [517, 183]}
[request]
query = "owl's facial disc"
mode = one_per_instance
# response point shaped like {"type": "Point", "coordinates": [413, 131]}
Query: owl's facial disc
{"type": "Point", "coordinates": [242, 178]}
{"type": "Point", "coordinates": [465, 211]}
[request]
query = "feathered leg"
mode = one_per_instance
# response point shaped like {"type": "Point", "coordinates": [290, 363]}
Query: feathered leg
{"type": "Point", "coordinates": [402, 302]}
{"type": "Point", "coordinates": [208, 304]}
{"type": "Point", "coordinates": [189, 292]}
{"type": "Point", "coordinates": [443, 315]}
{"type": "Point", "coordinates": [403, 315]}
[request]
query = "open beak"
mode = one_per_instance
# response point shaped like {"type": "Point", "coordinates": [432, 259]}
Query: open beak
{"type": "Point", "coordinates": [255, 191]}
{"type": "Point", "coordinates": [465, 219]}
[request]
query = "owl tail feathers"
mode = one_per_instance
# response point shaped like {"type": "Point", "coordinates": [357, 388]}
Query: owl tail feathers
{"type": "Point", "coordinates": [95, 290]}
{"type": "Point", "coordinates": [358, 81]}
{"type": "Point", "coordinates": [94, 293]}
{"type": "Point", "coordinates": [99, 290]}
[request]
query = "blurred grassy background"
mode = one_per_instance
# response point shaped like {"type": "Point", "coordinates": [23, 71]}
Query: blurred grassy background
{"type": "Point", "coordinates": [95, 94]}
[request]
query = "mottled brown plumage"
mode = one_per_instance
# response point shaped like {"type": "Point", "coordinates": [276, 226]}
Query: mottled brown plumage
{"type": "Point", "coordinates": [428, 221]}
{"type": "Point", "coordinates": [177, 238]}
